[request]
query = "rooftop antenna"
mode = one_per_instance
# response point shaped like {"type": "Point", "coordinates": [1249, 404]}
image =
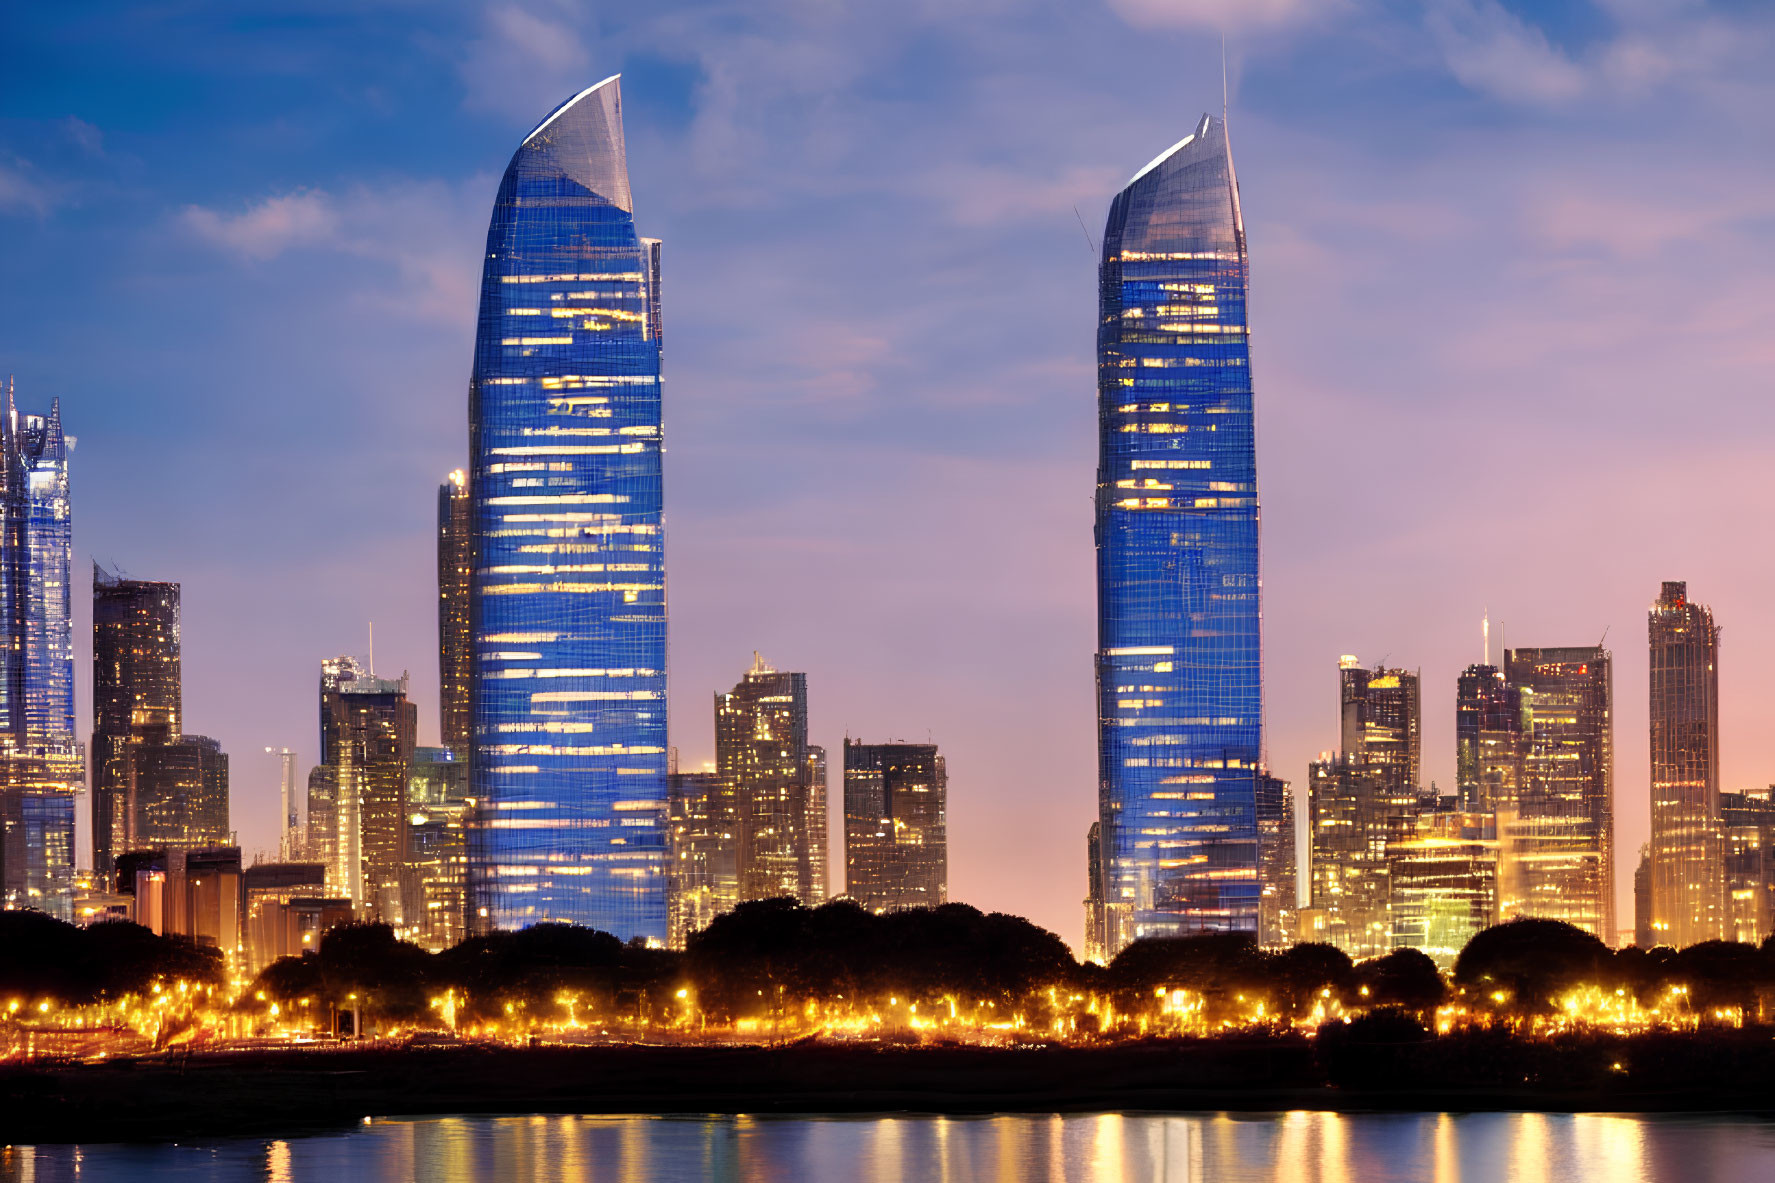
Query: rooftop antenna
{"type": "Point", "coordinates": [372, 648]}
{"type": "Point", "coordinates": [1223, 102]}
{"type": "Point", "coordinates": [1089, 241]}
{"type": "Point", "coordinates": [1485, 631]}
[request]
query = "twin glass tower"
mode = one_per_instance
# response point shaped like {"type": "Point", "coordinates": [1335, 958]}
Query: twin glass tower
{"type": "Point", "coordinates": [567, 596]}
{"type": "Point", "coordinates": [1179, 622]}
{"type": "Point", "coordinates": [568, 591]}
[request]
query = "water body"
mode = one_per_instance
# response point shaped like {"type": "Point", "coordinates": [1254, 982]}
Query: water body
{"type": "Point", "coordinates": [1222, 1148]}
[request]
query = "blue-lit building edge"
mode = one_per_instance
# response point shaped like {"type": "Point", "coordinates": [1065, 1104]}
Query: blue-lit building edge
{"type": "Point", "coordinates": [1183, 578]}
{"type": "Point", "coordinates": [575, 837]}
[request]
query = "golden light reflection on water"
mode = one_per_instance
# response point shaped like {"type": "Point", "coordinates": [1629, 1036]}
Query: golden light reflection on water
{"type": "Point", "coordinates": [1296, 1147]}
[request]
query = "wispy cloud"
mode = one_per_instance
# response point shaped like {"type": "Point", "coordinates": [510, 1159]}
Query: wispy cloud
{"type": "Point", "coordinates": [1490, 49]}
{"type": "Point", "coordinates": [423, 233]}
{"type": "Point", "coordinates": [267, 228]}
{"type": "Point", "coordinates": [526, 60]}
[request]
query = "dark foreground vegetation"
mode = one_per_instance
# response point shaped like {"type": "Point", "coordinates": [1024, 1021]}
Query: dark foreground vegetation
{"type": "Point", "coordinates": [780, 1008]}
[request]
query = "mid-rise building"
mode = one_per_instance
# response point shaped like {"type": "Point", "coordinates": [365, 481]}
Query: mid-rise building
{"type": "Point", "coordinates": [1558, 841]}
{"type": "Point", "coordinates": [1276, 869]}
{"type": "Point", "coordinates": [1179, 651]}
{"type": "Point", "coordinates": [568, 589]}
{"type": "Point", "coordinates": [438, 809]}
{"type": "Point", "coordinates": [135, 694]}
{"type": "Point", "coordinates": [1688, 861]}
{"type": "Point", "coordinates": [42, 765]}
{"type": "Point", "coordinates": [1354, 811]}
{"type": "Point", "coordinates": [1644, 936]}
{"type": "Point", "coordinates": [896, 832]}
{"type": "Point", "coordinates": [1443, 883]}
{"type": "Point", "coordinates": [779, 785]}
{"type": "Point", "coordinates": [266, 891]}
{"type": "Point", "coordinates": [178, 795]}
{"type": "Point", "coordinates": [455, 634]}
{"type": "Point", "coordinates": [705, 829]}
{"type": "Point", "coordinates": [1747, 824]}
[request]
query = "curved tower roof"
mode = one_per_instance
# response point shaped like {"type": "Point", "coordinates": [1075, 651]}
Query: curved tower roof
{"type": "Point", "coordinates": [582, 141]}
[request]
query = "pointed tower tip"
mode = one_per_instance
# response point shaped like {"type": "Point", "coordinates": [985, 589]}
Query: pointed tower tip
{"type": "Point", "coordinates": [582, 139]}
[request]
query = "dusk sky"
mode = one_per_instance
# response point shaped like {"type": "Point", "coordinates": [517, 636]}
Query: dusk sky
{"type": "Point", "coordinates": [1513, 279]}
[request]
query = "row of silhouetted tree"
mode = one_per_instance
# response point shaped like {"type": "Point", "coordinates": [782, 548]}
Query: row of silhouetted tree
{"type": "Point", "coordinates": [769, 957]}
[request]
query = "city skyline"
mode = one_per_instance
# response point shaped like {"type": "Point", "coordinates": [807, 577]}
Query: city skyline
{"type": "Point", "coordinates": [1309, 617]}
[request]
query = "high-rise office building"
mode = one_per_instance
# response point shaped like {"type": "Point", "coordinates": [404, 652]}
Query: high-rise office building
{"type": "Point", "coordinates": [896, 831]}
{"type": "Point", "coordinates": [568, 592]}
{"type": "Point", "coordinates": [455, 638]}
{"type": "Point", "coordinates": [41, 763]}
{"type": "Point", "coordinates": [437, 848]}
{"type": "Point", "coordinates": [1381, 720]}
{"type": "Point", "coordinates": [367, 738]}
{"type": "Point", "coordinates": [779, 785]}
{"type": "Point", "coordinates": [1558, 843]}
{"type": "Point", "coordinates": [705, 837]}
{"type": "Point", "coordinates": [1643, 935]}
{"type": "Point", "coordinates": [1489, 740]}
{"type": "Point", "coordinates": [1179, 658]}
{"type": "Point", "coordinates": [135, 695]}
{"type": "Point", "coordinates": [1688, 861]}
{"type": "Point", "coordinates": [178, 795]}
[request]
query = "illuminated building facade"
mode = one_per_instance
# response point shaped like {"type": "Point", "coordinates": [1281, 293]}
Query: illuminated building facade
{"type": "Point", "coordinates": [41, 763]}
{"type": "Point", "coordinates": [367, 738]}
{"type": "Point", "coordinates": [568, 594]}
{"type": "Point", "coordinates": [1179, 658]}
{"type": "Point", "coordinates": [437, 848]}
{"type": "Point", "coordinates": [1381, 718]}
{"type": "Point", "coordinates": [178, 795]}
{"type": "Point", "coordinates": [705, 832]}
{"type": "Point", "coordinates": [1276, 869]}
{"type": "Point", "coordinates": [1489, 740]}
{"type": "Point", "coordinates": [1688, 863]}
{"type": "Point", "coordinates": [1747, 825]}
{"type": "Point", "coordinates": [896, 832]}
{"type": "Point", "coordinates": [1094, 950]}
{"type": "Point", "coordinates": [266, 890]}
{"type": "Point", "coordinates": [135, 694]}
{"type": "Point", "coordinates": [1443, 882]}
{"type": "Point", "coordinates": [1558, 842]}
{"type": "Point", "coordinates": [1354, 811]}
{"type": "Point", "coordinates": [455, 637]}
{"type": "Point", "coordinates": [779, 785]}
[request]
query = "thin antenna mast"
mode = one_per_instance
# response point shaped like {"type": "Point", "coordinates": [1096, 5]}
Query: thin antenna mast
{"type": "Point", "coordinates": [372, 648]}
{"type": "Point", "coordinates": [1223, 91]}
{"type": "Point", "coordinates": [1485, 631]}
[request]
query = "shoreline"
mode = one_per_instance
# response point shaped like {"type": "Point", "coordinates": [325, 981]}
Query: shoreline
{"type": "Point", "coordinates": [297, 1090]}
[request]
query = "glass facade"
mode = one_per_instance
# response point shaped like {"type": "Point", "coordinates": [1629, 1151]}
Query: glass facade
{"type": "Point", "coordinates": [1558, 836]}
{"type": "Point", "coordinates": [437, 848]}
{"type": "Point", "coordinates": [568, 595]}
{"type": "Point", "coordinates": [1688, 857]}
{"type": "Point", "coordinates": [41, 763]}
{"type": "Point", "coordinates": [896, 831]}
{"type": "Point", "coordinates": [455, 638]}
{"type": "Point", "coordinates": [178, 795]}
{"type": "Point", "coordinates": [135, 695]}
{"type": "Point", "coordinates": [779, 785]}
{"type": "Point", "coordinates": [1179, 661]}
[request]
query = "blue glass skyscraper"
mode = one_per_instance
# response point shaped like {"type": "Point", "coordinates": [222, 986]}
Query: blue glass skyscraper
{"type": "Point", "coordinates": [568, 593]}
{"type": "Point", "coordinates": [41, 763]}
{"type": "Point", "coordinates": [1179, 660]}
